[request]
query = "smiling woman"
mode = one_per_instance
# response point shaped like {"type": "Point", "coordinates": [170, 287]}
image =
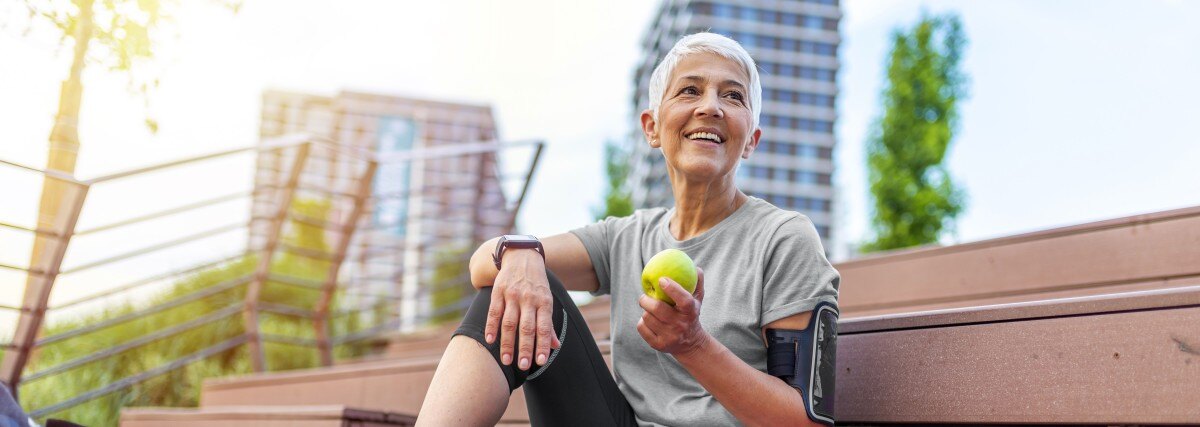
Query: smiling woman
{"type": "Point", "coordinates": [760, 268]}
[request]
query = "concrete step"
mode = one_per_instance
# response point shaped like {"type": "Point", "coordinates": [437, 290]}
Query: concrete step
{"type": "Point", "coordinates": [263, 416]}
{"type": "Point", "coordinates": [395, 385]}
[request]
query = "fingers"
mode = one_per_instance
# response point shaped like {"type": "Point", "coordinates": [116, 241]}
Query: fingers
{"type": "Point", "coordinates": [683, 300]}
{"type": "Point", "coordinates": [654, 324]}
{"type": "Point", "coordinates": [654, 307]}
{"type": "Point", "coordinates": [647, 334]}
{"type": "Point", "coordinates": [545, 333]}
{"type": "Point", "coordinates": [528, 329]}
{"type": "Point", "coordinates": [495, 310]}
{"type": "Point", "coordinates": [699, 294]}
{"type": "Point", "coordinates": [508, 330]}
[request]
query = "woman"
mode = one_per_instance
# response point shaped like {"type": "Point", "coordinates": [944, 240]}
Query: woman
{"type": "Point", "coordinates": [761, 268]}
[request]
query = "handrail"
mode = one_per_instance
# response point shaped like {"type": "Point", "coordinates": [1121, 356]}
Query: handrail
{"type": "Point", "coordinates": [349, 189]}
{"type": "Point", "coordinates": [194, 296]}
{"type": "Point", "coordinates": [145, 281]}
{"type": "Point", "coordinates": [138, 342]}
{"type": "Point", "coordinates": [170, 243]}
{"type": "Point", "coordinates": [281, 143]}
{"type": "Point", "coordinates": [129, 381]}
{"type": "Point", "coordinates": [47, 233]}
{"type": "Point", "coordinates": [64, 177]}
{"type": "Point", "coordinates": [286, 310]}
{"type": "Point", "coordinates": [167, 212]}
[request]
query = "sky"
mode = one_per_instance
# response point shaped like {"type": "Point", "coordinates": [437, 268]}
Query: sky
{"type": "Point", "coordinates": [1079, 110]}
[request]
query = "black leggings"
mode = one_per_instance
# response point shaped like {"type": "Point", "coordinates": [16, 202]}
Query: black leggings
{"type": "Point", "coordinates": [574, 387]}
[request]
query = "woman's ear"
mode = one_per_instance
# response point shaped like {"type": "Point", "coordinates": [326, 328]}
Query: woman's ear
{"type": "Point", "coordinates": [750, 146]}
{"type": "Point", "coordinates": [648, 128]}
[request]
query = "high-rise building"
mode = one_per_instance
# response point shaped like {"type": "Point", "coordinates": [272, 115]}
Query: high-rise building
{"type": "Point", "coordinates": [795, 43]}
{"type": "Point", "coordinates": [419, 210]}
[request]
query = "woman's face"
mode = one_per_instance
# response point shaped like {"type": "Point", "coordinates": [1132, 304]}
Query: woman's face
{"type": "Point", "coordinates": [704, 122]}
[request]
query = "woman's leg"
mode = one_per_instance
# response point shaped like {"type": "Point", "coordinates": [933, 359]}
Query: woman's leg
{"type": "Point", "coordinates": [573, 388]}
{"type": "Point", "coordinates": [577, 389]}
{"type": "Point", "coordinates": [466, 373]}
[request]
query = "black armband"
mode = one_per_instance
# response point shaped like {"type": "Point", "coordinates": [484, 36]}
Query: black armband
{"type": "Point", "coordinates": [805, 359]}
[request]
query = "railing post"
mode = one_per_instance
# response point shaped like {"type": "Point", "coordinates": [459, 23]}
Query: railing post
{"type": "Point", "coordinates": [40, 280]}
{"type": "Point", "coordinates": [537, 155]}
{"type": "Point", "coordinates": [250, 313]}
{"type": "Point", "coordinates": [321, 317]}
{"type": "Point", "coordinates": [477, 216]}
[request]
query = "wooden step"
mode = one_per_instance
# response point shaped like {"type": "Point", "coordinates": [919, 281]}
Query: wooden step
{"type": "Point", "coordinates": [1152, 251]}
{"type": "Point", "coordinates": [386, 385]}
{"type": "Point", "coordinates": [263, 416]}
{"type": "Point", "coordinates": [1131, 358]}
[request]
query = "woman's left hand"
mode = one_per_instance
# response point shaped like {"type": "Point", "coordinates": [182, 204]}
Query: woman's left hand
{"type": "Point", "coordinates": [674, 329]}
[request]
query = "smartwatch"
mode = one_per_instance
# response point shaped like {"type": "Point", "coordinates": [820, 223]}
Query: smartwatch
{"type": "Point", "coordinates": [516, 241]}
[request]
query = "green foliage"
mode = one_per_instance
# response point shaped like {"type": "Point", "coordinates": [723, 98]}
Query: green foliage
{"type": "Point", "coordinates": [618, 201]}
{"type": "Point", "coordinates": [914, 197]}
{"type": "Point", "coordinates": [451, 282]}
{"type": "Point", "coordinates": [182, 387]}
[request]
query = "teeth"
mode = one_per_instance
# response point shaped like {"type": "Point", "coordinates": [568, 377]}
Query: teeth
{"type": "Point", "coordinates": [705, 135]}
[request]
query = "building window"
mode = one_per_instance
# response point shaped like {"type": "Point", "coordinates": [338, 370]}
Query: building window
{"type": "Point", "coordinates": [796, 123]}
{"type": "Point", "coordinates": [787, 45]}
{"type": "Point", "coordinates": [790, 19]}
{"type": "Point", "coordinates": [788, 70]}
{"type": "Point", "coordinates": [825, 152]}
{"type": "Point", "coordinates": [722, 10]}
{"type": "Point", "coordinates": [813, 22]}
{"type": "Point", "coordinates": [747, 13]}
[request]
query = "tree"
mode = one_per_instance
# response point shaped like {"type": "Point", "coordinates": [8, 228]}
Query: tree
{"type": "Point", "coordinates": [618, 201]}
{"type": "Point", "coordinates": [914, 196]}
{"type": "Point", "coordinates": [118, 34]}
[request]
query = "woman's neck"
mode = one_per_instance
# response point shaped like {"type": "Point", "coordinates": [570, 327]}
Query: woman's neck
{"type": "Point", "coordinates": [701, 206]}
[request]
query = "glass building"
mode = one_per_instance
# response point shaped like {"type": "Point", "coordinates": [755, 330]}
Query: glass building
{"type": "Point", "coordinates": [795, 43]}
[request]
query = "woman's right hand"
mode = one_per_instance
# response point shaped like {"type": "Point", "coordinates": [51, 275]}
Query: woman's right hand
{"type": "Point", "coordinates": [522, 306]}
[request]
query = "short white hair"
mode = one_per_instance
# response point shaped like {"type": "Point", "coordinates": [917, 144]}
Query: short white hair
{"type": "Point", "coordinates": [705, 42]}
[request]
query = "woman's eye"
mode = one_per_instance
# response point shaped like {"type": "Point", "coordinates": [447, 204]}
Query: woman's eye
{"type": "Point", "coordinates": [690, 90]}
{"type": "Point", "coordinates": [736, 95]}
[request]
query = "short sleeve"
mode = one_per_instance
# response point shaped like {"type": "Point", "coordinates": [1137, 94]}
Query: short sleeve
{"type": "Point", "coordinates": [798, 275]}
{"type": "Point", "coordinates": [598, 239]}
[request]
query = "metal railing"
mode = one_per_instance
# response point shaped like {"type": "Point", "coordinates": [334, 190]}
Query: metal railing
{"type": "Point", "coordinates": [342, 279]}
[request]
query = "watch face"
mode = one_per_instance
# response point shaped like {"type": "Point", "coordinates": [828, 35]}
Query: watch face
{"type": "Point", "coordinates": [523, 238]}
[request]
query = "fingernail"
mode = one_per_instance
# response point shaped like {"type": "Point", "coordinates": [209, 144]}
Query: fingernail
{"type": "Point", "coordinates": [524, 363]}
{"type": "Point", "coordinates": [662, 281]}
{"type": "Point", "coordinates": [507, 359]}
{"type": "Point", "coordinates": [490, 337]}
{"type": "Point", "coordinates": [541, 359]}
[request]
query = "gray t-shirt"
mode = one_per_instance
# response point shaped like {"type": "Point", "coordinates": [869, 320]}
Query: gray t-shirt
{"type": "Point", "coordinates": [761, 264]}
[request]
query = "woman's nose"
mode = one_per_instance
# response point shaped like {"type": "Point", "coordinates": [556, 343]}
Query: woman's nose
{"type": "Point", "coordinates": [710, 105]}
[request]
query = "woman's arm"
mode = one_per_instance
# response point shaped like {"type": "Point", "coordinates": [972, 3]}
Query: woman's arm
{"type": "Point", "coordinates": [522, 304]}
{"type": "Point", "coordinates": [565, 256]}
{"type": "Point", "coordinates": [754, 397]}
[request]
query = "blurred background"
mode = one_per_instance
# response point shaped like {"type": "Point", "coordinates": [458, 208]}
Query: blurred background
{"type": "Point", "coordinates": [891, 124]}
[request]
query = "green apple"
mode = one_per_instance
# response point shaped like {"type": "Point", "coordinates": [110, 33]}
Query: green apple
{"type": "Point", "coordinates": [672, 263]}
